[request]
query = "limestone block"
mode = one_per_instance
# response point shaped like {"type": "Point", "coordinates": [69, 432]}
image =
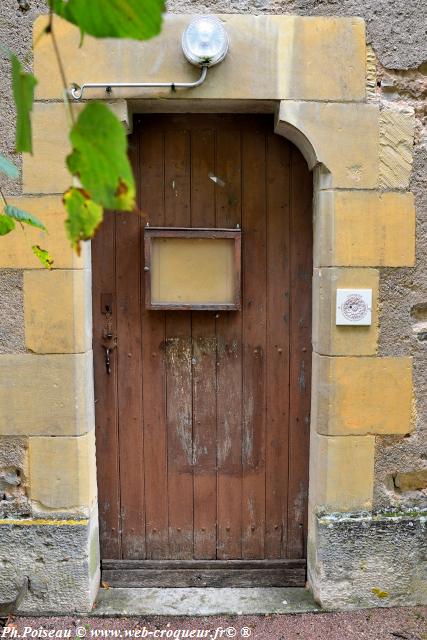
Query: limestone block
{"type": "Point", "coordinates": [318, 43]}
{"type": "Point", "coordinates": [16, 247]}
{"type": "Point", "coordinates": [45, 171]}
{"type": "Point", "coordinates": [343, 138]}
{"type": "Point", "coordinates": [357, 396]}
{"type": "Point", "coordinates": [341, 472]}
{"type": "Point", "coordinates": [397, 126]}
{"type": "Point", "coordinates": [411, 480]}
{"type": "Point", "coordinates": [369, 561]}
{"type": "Point", "coordinates": [62, 471]}
{"type": "Point", "coordinates": [364, 228]}
{"type": "Point", "coordinates": [58, 311]}
{"type": "Point", "coordinates": [333, 340]}
{"type": "Point", "coordinates": [270, 57]}
{"type": "Point", "coordinates": [60, 558]}
{"type": "Point", "coordinates": [46, 394]}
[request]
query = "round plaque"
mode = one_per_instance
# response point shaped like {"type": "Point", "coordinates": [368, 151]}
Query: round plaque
{"type": "Point", "coordinates": [354, 307]}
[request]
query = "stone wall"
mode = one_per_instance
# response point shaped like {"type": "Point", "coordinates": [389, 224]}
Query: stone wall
{"type": "Point", "coordinates": [48, 511]}
{"type": "Point", "coordinates": [395, 32]}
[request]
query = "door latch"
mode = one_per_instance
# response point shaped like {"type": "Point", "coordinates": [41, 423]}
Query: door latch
{"type": "Point", "coordinates": [109, 343]}
{"type": "Point", "coordinates": [107, 359]}
{"type": "Point", "coordinates": [109, 340]}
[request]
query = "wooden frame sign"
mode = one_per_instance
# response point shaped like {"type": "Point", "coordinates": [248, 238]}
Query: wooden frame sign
{"type": "Point", "coordinates": [197, 269]}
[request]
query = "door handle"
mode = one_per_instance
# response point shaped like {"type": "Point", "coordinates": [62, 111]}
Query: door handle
{"type": "Point", "coordinates": [109, 340]}
{"type": "Point", "coordinates": [107, 359]}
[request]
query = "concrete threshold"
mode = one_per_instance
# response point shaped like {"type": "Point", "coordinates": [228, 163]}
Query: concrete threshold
{"type": "Point", "coordinates": [204, 601]}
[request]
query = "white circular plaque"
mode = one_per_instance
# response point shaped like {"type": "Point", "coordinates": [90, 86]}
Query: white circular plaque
{"type": "Point", "coordinates": [354, 308]}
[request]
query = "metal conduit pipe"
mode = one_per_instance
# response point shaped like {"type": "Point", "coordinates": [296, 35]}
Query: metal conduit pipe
{"type": "Point", "coordinates": [76, 91]}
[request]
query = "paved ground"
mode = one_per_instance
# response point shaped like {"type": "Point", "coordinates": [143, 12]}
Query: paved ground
{"type": "Point", "coordinates": [368, 624]}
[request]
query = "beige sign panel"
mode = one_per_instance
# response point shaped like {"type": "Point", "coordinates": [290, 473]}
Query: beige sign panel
{"type": "Point", "coordinates": [192, 268]}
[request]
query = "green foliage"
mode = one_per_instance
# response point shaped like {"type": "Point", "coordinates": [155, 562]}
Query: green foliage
{"type": "Point", "coordinates": [84, 216]}
{"type": "Point", "coordinates": [23, 91]}
{"type": "Point", "coordinates": [99, 145]}
{"type": "Point", "coordinates": [99, 158]}
{"type": "Point", "coordinates": [137, 19]}
{"type": "Point", "coordinates": [8, 168]}
{"type": "Point", "coordinates": [23, 217]}
{"type": "Point", "coordinates": [6, 225]}
{"type": "Point", "coordinates": [44, 257]}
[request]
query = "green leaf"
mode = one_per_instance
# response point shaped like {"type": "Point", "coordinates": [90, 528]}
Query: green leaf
{"type": "Point", "coordinates": [23, 93]}
{"type": "Point", "coordinates": [23, 216]}
{"type": "Point", "coordinates": [6, 225]}
{"type": "Point", "coordinates": [84, 216]}
{"type": "Point", "coordinates": [44, 257]}
{"type": "Point", "coordinates": [99, 158]}
{"type": "Point", "coordinates": [8, 168]}
{"type": "Point", "coordinates": [137, 19]}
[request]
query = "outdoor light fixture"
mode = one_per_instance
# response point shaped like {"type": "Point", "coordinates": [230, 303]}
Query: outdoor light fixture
{"type": "Point", "coordinates": [204, 43]}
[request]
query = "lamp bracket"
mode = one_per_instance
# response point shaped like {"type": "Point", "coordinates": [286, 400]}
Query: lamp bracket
{"type": "Point", "coordinates": [77, 91]}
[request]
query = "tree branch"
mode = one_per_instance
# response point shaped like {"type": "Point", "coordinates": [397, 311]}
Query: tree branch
{"type": "Point", "coordinates": [60, 66]}
{"type": "Point", "coordinates": [3, 197]}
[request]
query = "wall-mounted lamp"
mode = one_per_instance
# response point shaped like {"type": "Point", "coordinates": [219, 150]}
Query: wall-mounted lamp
{"type": "Point", "coordinates": [204, 43]}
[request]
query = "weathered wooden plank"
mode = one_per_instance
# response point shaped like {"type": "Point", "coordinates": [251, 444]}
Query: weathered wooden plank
{"type": "Point", "coordinates": [292, 576]}
{"type": "Point", "coordinates": [254, 341]}
{"type": "Point", "coordinates": [129, 375]}
{"type": "Point", "coordinates": [277, 352]}
{"type": "Point", "coordinates": [178, 361]}
{"type": "Point", "coordinates": [107, 437]}
{"type": "Point", "coordinates": [220, 578]}
{"type": "Point", "coordinates": [202, 564]}
{"type": "Point", "coordinates": [229, 359]}
{"type": "Point", "coordinates": [151, 143]}
{"type": "Point", "coordinates": [300, 371]}
{"type": "Point", "coordinates": [204, 359]}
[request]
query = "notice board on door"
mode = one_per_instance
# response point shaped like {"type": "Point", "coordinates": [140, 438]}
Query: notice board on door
{"type": "Point", "coordinates": [193, 269]}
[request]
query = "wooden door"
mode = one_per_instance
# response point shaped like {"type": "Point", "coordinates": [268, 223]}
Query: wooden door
{"type": "Point", "coordinates": [202, 424]}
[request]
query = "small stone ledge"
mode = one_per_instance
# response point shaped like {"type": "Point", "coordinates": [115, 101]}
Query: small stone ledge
{"type": "Point", "coordinates": [374, 516]}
